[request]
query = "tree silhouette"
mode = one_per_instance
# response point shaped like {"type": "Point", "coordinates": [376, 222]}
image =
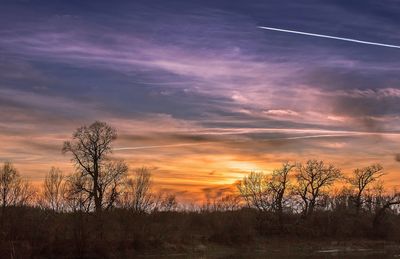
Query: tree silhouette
{"type": "Point", "coordinates": [278, 185]}
{"type": "Point", "coordinates": [53, 190]}
{"type": "Point", "coordinates": [361, 179]}
{"type": "Point", "coordinates": [138, 196]}
{"type": "Point", "coordinates": [255, 190]}
{"type": "Point", "coordinates": [96, 175]}
{"type": "Point", "coordinates": [13, 190]}
{"type": "Point", "coordinates": [312, 179]}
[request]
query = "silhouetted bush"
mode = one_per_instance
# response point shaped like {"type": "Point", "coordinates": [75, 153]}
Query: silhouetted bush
{"type": "Point", "coordinates": [34, 232]}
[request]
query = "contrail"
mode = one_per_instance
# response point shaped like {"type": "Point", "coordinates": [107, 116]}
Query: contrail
{"type": "Point", "coordinates": [330, 37]}
{"type": "Point", "coordinates": [242, 141]}
{"type": "Point", "coordinates": [161, 146]}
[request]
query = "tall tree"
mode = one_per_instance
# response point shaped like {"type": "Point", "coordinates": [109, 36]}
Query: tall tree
{"type": "Point", "coordinates": [278, 185]}
{"type": "Point", "coordinates": [90, 148]}
{"type": "Point", "coordinates": [312, 179]}
{"type": "Point", "coordinates": [361, 179]}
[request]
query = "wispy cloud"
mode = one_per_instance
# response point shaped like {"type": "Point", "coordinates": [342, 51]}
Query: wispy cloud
{"type": "Point", "coordinates": [197, 88]}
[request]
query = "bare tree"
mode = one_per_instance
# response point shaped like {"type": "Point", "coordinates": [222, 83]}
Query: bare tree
{"type": "Point", "coordinates": [111, 182]}
{"type": "Point", "coordinates": [75, 198]}
{"type": "Point", "coordinates": [312, 179]}
{"type": "Point", "coordinates": [361, 179]}
{"type": "Point", "coordinates": [266, 192]}
{"type": "Point", "coordinates": [9, 180]}
{"type": "Point", "coordinates": [161, 202]}
{"type": "Point", "coordinates": [53, 190]}
{"type": "Point", "coordinates": [13, 190]}
{"type": "Point", "coordinates": [388, 201]}
{"type": "Point", "coordinates": [278, 185]}
{"type": "Point", "coordinates": [169, 203]}
{"type": "Point", "coordinates": [339, 199]}
{"type": "Point", "coordinates": [254, 188]}
{"type": "Point", "coordinates": [90, 147]}
{"type": "Point", "coordinates": [138, 196]}
{"type": "Point", "coordinates": [228, 202]}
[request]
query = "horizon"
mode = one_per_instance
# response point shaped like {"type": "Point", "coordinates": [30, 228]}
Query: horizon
{"type": "Point", "coordinates": [197, 91]}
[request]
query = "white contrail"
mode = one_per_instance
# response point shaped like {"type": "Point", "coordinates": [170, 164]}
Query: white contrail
{"type": "Point", "coordinates": [265, 139]}
{"type": "Point", "coordinates": [331, 37]}
{"type": "Point", "coordinates": [327, 134]}
{"type": "Point", "coordinates": [161, 146]}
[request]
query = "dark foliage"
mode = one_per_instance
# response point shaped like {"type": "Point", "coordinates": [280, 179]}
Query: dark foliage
{"type": "Point", "coordinates": [34, 232]}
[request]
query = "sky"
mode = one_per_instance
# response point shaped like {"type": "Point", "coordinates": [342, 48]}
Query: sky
{"type": "Point", "coordinates": [196, 91]}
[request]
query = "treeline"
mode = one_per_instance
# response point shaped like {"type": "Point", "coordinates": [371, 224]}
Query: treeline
{"type": "Point", "coordinates": [101, 211]}
{"type": "Point", "coordinates": [302, 189]}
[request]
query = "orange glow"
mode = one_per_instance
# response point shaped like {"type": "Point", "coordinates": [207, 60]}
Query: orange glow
{"type": "Point", "coordinates": [192, 168]}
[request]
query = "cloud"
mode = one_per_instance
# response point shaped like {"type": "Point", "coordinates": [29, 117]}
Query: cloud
{"type": "Point", "coordinates": [379, 93]}
{"type": "Point", "coordinates": [195, 88]}
{"type": "Point", "coordinates": [281, 113]}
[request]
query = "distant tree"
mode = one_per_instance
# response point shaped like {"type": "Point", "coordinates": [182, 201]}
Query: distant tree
{"type": "Point", "coordinates": [385, 205]}
{"type": "Point", "coordinates": [339, 199]}
{"type": "Point", "coordinates": [169, 203]}
{"type": "Point", "coordinates": [254, 189]}
{"type": "Point", "coordinates": [13, 190]}
{"type": "Point", "coordinates": [53, 190]}
{"type": "Point", "coordinates": [278, 186]}
{"type": "Point", "coordinates": [138, 196]}
{"type": "Point", "coordinates": [266, 192]}
{"type": "Point", "coordinates": [312, 179]}
{"type": "Point", "coordinates": [362, 179]}
{"type": "Point", "coordinates": [9, 181]}
{"type": "Point", "coordinates": [228, 202]}
{"type": "Point", "coordinates": [96, 175]}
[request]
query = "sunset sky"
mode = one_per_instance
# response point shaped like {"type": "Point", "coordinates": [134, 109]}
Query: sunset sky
{"type": "Point", "coordinates": [196, 90]}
